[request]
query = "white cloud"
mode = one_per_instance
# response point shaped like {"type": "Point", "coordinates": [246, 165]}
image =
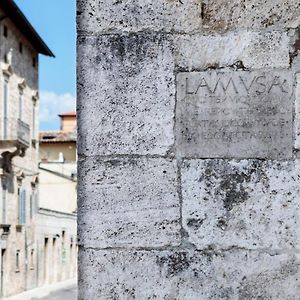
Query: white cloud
{"type": "Point", "coordinates": [52, 104]}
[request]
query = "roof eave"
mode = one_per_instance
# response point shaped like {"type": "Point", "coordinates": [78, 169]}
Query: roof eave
{"type": "Point", "coordinates": [13, 12]}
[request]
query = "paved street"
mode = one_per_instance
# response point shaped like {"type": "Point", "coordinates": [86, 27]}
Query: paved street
{"type": "Point", "coordinates": [69, 293]}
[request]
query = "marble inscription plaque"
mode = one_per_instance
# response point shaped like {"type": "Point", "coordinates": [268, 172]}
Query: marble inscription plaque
{"type": "Point", "coordinates": [234, 114]}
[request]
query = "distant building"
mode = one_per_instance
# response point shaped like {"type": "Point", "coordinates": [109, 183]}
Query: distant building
{"type": "Point", "coordinates": [20, 46]}
{"type": "Point", "coordinates": [68, 122]}
{"type": "Point", "coordinates": [58, 199]}
{"type": "Point", "coordinates": [58, 146]}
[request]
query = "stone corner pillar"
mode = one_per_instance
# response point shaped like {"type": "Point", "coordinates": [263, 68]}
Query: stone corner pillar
{"type": "Point", "coordinates": [188, 141]}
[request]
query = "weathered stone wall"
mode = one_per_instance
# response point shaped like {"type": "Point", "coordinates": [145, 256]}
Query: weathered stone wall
{"type": "Point", "coordinates": [189, 138]}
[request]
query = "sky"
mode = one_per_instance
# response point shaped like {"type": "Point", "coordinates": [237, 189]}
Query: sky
{"type": "Point", "coordinates": [54, 20]}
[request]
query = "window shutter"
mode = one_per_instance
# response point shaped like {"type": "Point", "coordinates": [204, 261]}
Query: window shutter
{"type": "Point", "coordinates": [22, 207]}
{"type": "Point", "coordinates": [3, 206]}
{"type": "Point", "coordinates": [36, 202]}
{"type": "Point", "coordinates": [33, 203]}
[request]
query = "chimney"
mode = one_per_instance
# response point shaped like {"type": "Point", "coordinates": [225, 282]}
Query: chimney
{"type": "Point", "coordinates": [68, 121]}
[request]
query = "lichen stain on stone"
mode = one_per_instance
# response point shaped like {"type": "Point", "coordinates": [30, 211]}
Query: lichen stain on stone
{"type": "Point", "coordinates": [113, 163]}
{"type": "Point", "coordinates": [165, 224]}
{"type": "Point", "coordinates": [194, 223]}
{"type": "Point", "coordinates": [175, 263]}
{"type": "Point", "coordinates": [222, 223]}
{"type": "Point", "coordinates": [225, 181]}
{"type": "Point", "coordinates": [119, 47]}
{"type": "Point", "coordinates": [128, 52]}
{"type": "Point", "coordinates": [271, 20]}
{"type": "Point", "coordinates": [207, 18]}
{"type": "Point", "coordinates": [257, 286]}
{"type": "Point", "coordinates": [235, 192]}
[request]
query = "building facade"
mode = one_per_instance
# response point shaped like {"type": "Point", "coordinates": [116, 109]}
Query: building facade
{"type": "Point", "coordinates": [56, 226]}
{"type": "Point", "coordinates": [56, 246]}
{"type": "Point", "coordinates": [20, 46]}
{"type": "Point", "coordinates": [38, 244]}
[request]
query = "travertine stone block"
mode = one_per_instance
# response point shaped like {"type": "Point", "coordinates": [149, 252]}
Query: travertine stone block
{"type": "Point", "coordinates": [112, 16]}
{"type": "Point", "coordinates": [126, 95]}
{"type": "Point", "coordinates": [249, 203]}
{"type": "Point", "coordinates": [255, 50]}
{"type": "Point", "coordinates": [187, 275]}
{"type": "Point", "coordinates": [128, 202]}
{"type": "Point", "coordinates": [220, 15]}
{"type": "Point", "coordinates": [237, 114]}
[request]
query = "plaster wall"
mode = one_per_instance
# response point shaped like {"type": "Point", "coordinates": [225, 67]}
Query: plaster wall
{"type": "Point", "coordinates": [56, 192]}
{"type": "Point", "coordinates": [50, 151]}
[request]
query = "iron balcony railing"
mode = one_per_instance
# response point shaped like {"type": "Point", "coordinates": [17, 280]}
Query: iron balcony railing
{"type": "Point", "coordinates": [14, 132]}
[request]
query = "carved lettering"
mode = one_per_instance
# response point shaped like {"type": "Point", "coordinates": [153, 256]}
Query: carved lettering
{"type": "Point", "coordinates": [225, 88]}
{"type": "Point", "coordinates": [260, 80]}
{"type": "Point", "coordinates": [244, 83]}
{"type": "Point", "coordinates": [188, 92]}
{"type": "Point", "coordinates": [203, 84]}
{"type": "Point", "coordinates": [257, 84]}
{"type": "Point", "coordinates": [277, 83]}
{"type": "Point", "coordinates": [234, 114]}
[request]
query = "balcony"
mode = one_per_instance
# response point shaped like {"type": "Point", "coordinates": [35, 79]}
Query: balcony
{"type": "Point", "coordinates": [14, 133]}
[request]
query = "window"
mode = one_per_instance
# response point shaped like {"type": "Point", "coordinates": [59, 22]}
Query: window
{"type": "Point", "coordinates": [20, 47]}
{"type": "Point", "coordinates": [33, 203]}
{"type": "Point", "coordinates": [5, 59]}
{"type": "Point", "coordinates": [18, 261]}
{"type": "Point", "coordinates": [34, 62]}
{"type": "Point", "coordinates": [5, 108]}
{"type": "Point", "coordinates": [33, 121]}
{"type": "Point", "coordinates": [20, 104]}
{"type": "Point", "coordinates": [22, 207]}
{"type": "Point", "coordinates": [36, 201]}
{"type": "Point", "coordinates": [3, 204]}
{"type": "Point", "coordinates": [63, 248]}
{"type": "Point", "coordinates": [71, 253]}
{"type": "Point", "coordinates": [5, 31]}
{"type": "Point", "coordinates": [32, 259]}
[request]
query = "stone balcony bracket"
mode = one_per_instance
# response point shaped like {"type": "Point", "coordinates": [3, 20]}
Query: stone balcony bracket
{"type": "Point", "coordinates": [7, 156]}
{"type": "Point", "coordinates": [7, 69]}
{"type": "Point", "coordinates": [5, 230]}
